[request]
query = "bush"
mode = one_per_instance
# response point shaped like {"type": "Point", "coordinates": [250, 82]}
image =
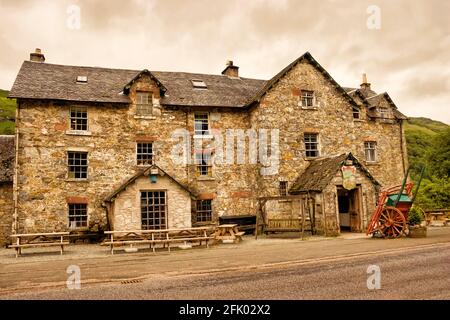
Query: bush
{"type": "Point", "coordinates": [415, 216]}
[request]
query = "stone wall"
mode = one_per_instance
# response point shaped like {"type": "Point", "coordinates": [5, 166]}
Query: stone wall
{"type": "Point", "coordinates": [126, 213]}
{"type": "Point", "coordinates": [6, 212]}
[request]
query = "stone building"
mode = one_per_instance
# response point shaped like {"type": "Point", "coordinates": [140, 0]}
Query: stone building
{"type": "Point", "coordinates": [116, 149]}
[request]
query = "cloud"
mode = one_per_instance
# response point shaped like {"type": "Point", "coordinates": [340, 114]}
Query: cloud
{"type": "Point", "coordinates": [408, 56]}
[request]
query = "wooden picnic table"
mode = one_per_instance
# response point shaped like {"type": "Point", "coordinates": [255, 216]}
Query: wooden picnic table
{"type": "Point", "coordinates": [228, 232]}
{"type": "Point", "coordinates": [437, 217]}
{"type": "Point", "coordinates": [159, 236]}
{"type": "Point", "coordinates": [27, 240]}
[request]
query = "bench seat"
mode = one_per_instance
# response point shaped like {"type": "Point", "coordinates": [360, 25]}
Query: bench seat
{"type": "Point", "coordinates": [41, 244]}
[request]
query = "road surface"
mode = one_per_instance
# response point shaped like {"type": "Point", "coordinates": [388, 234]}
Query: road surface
{"type": "Point", "coordinates": [422, 273]}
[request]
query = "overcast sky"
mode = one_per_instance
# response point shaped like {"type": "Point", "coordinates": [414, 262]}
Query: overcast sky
{"type": "Point", "coordinates": [406, 52]}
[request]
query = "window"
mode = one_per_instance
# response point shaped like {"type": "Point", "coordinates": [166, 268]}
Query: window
{"type": "Point", "coordinates": [144, 153]}
{"type": "Point", "coordinates": [203, 164]}
{"type": "Point", "coordinates": [204, 211]}
{"type": "Point", "coordinates": [370, 148]}
{"type": "Point", "coordinates": [307, 99]}
{"type": "Point", "coordinates": [384, 112]}
{"type": "Point", "coordinates": [77, 215]}
{"type": "Point", "coordinates": [356, 113]}
{"type": "Point", "coordinates": [144, 104]}
{"type": "Point", "coordinates": [78, 118]}
{"type": "Point", "coordinates": [201, 124]}
{"type": "Point", "coordinates": [82, 79]}
{"type": "Point", "coordinates": [77, 163]}
{"type": "Point", "coordinates": [311, 145]}
{"type": "Point", "coordinates": [283, 188]}
{"type": "Point", "coordinates": [199, 84]}
{"type": "Point", "coordinates": [153, 210]}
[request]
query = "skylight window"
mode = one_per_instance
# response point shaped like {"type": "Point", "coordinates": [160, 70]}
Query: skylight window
{"type": "Point", "coordinates": [82, 79]}
{"type": "Point", "coordinates": [199, 84]}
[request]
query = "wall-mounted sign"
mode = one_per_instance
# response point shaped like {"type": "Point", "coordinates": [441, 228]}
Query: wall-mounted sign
{"type": "Point", "coordinates": [349, 177]}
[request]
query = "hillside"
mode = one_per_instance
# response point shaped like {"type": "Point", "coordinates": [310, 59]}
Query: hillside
{"type": "Point", "coordinates": [7, 113]}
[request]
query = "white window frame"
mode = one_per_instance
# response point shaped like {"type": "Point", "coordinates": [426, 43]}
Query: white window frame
{"type": "Point", "coordinates": [202, 133]}
{"type": "Point", "coordinates": [82, 109]}
{"type": "Point", "coordinates": [370, 147]}
{"type": "Point", "coordinates": [383, 112]}
{"type": "Point", "coordinates": [203, 212]}
{"type": "Point", "coordinates": [74, 227]}
{"type": "Point", "coordinates": [152, 154]}
{"type": "Point", "coordinates": [68, 165]}
{"type": "Point", "coordinates": [308, 94]}
{"type": "Point", "coordinates": [357, 111]}
{"type": "Point", "coordinates": [144, 108]}
{"type": "Point", "coordinates": [317, 143]}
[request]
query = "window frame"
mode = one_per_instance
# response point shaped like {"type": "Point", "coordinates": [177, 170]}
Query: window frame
{"type": "Point", "coordinates": [355, 111]}
{"type": "Point", "coordinates": [202, 132]}
{"type": "Point", "coordinates": [144, 109]}
{"type": "Point", "coordinates": [370, 147]}
{"type": "Point", "coordinates": [76, 118]}
{"type": "Point", "coordinates": [153, 205]}
{"type": "Point", "coordinates": [283, 188]}
{"type": "Point", "coordinates": [201, 164]}
{"type": "Point", "coordinates": [311, 143]}
{"type": "Point", "coordinates": [152, 154]}
{"type": "Point", "coordinates": [84, 218]}
{"type": "Point", "coordinates": [307, 96]}
{"type": "Point", "coordinates": [74, 166]}
{"type": "Point", "coordinates": [383, 113]}
{"type": "Point", "coordinates": [204, 211]}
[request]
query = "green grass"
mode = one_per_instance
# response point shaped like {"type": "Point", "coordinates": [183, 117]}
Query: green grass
{"type": "Point", "coordinates": [7, 113]}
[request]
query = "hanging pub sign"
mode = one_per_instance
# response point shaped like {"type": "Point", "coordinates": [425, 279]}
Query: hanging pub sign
{"type": "Point", "coordinates": [349, 177]}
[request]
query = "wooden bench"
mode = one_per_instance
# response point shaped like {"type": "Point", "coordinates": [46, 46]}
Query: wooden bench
{"type": "Point", "coordinates": [164, 237]}
{"type": "Point", "coordinates": [283, 225]}
{"type": "Point", "coordinates": [29, 240]}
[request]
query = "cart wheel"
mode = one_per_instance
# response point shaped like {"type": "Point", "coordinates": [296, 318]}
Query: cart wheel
{"type": "Point", "coordinates": [392, 222]}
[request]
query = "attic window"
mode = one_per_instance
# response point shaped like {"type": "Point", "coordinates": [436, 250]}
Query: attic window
{"type": "Point", "coordinates": [82, 79]}
{"type": "Point", "coordinates": [199, 84]}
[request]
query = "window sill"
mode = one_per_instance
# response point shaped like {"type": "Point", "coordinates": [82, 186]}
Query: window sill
{"type": "Point", "coordinates": [78, 133]}
{"type": "Point", "coordinates": [145, 117]}
{"type": "Point", "coordinates": [77, 180]}
{"type": "Point", "coordinates": [358, 120]}
{"type": "Point", "coordinates": [311, 158]}
{"type": "Point", "coordinates": [201, 178]}
{"type": "Point", "coordinates": [310, 108]}
{"type": "Point", "coordinates": [203, 136]}
{"type": "Point", "coordinates": [371, 163]}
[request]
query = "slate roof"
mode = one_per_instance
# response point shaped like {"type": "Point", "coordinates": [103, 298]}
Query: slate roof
{"type": "Point", "coordinates": [373, 99]}
{"type": "Point", "coordinates": [58, 82]}
{"type": "Point", "coordinates": [7, 156]}
{"type": "Point", "coordinates": [320, 172]}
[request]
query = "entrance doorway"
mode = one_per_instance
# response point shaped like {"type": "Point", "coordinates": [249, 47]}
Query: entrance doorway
{"type": "Point", "coordinates": [153, 210]}
{"type": "Point", "coordinates": [349, 209]}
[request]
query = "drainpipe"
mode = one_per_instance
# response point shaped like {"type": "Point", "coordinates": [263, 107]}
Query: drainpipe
{"type": "Point", "coordinates": [15, 226]}
{"type": "Point", "coordinates": [403, 147]}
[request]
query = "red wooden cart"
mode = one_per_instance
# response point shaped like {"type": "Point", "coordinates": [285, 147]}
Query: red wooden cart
{"type": "Point", "coordinates": [390, 216]}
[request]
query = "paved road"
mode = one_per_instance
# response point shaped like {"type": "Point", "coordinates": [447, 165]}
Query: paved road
{"type": "Point", "coordinates": [422, 273]}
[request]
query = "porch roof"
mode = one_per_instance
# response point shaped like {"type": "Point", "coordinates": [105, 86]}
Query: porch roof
{"type": "Point", "coordinates": [320, 172]}
{"type": "Point", "coordinates": [146, 172]}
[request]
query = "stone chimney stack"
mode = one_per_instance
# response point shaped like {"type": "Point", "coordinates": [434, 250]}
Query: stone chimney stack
{"type": "Point", "coordinates": [231, 70]}
{"type": "Point", "coordinates": [365, 84]}
{"type": "Point", "coordinates": [37, 56]}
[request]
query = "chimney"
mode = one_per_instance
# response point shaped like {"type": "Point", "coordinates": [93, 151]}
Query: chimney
{"type": "Point", "coordinates": [231, 70]}
{"type": "Point", "coordinates": [365, 84]}
{"type": "Point", "coordinates": [37, 56]}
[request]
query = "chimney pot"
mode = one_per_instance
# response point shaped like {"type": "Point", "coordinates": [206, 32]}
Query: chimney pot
{"type": "Point", "coordinates": [231, 70]}
{"type": "Point", "coordinates": [37, 56]}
